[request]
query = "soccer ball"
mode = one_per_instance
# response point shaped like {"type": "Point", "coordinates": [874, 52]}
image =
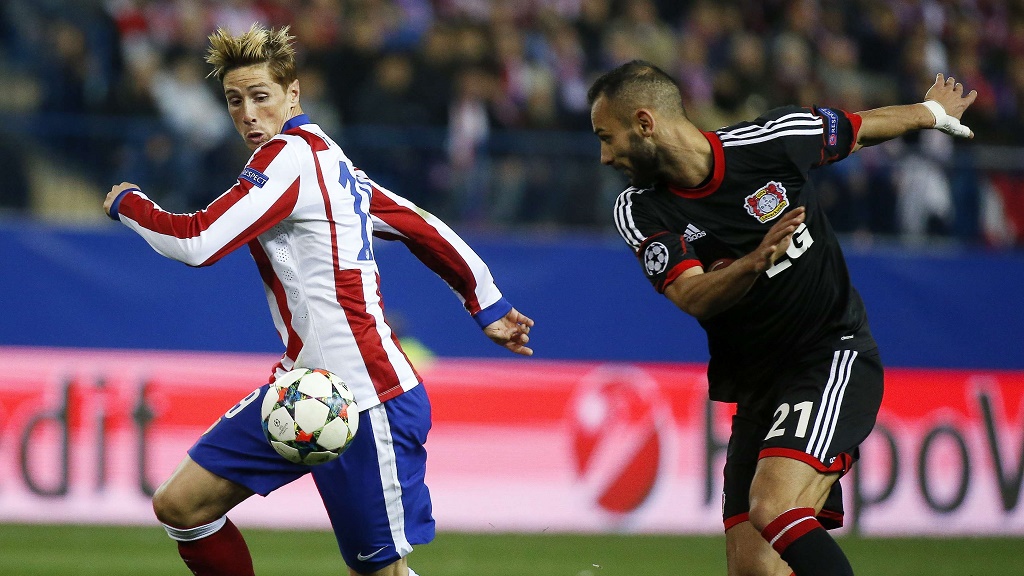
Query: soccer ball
{"type": "Point", "coordinates": [309, 416]}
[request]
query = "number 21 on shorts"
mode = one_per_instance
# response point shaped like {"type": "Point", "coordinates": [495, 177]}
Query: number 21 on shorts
{"type": "Point", "coordinates": [802, 409]}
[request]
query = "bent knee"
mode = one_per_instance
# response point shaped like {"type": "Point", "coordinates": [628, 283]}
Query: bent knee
{"type": "Point", "coordinates": [171, 509]}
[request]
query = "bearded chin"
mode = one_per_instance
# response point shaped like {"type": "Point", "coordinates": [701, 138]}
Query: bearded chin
{"type": "Point", "coordinates": [645, 165]}
{"type": "Point", "coordinates": [645, 173]}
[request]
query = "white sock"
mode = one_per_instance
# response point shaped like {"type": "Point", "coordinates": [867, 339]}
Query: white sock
{"type": "Point", "coordinates": [190, 534]}
{"type": "Point", "coordinates": [412, 572]}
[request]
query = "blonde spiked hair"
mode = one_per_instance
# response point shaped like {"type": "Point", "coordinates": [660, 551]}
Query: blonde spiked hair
{"type": "Point", "coordinates": [260, 45]}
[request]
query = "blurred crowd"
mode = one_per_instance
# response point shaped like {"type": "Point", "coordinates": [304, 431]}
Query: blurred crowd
{"type": "Point", "coordinates": [476, 109]}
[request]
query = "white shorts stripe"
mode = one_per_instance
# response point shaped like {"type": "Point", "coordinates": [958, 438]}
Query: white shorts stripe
{"type": "Point", "coordinates": [838, 405]}
{"type": "Point", "coordinates": [831, 403]}
{"type": "Point", "coordinates": [388, 463]}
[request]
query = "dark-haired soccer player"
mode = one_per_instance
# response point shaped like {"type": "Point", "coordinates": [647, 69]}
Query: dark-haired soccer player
{"type": "Point", "coordinates": [308, 217]}
{"type": "Point", "coordinates": [727, 226]}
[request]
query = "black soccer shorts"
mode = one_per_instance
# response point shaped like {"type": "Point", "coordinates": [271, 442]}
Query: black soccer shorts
{"type": "Point", "coordinates": [818, 414]}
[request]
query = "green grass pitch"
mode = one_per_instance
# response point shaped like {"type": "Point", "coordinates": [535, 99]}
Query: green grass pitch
{"type": "Point", "coordinates": [38, 550]}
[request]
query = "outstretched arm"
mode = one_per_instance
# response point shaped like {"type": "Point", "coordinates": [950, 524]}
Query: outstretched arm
{"type": "Point", "coordinates": [511, 331]}
{"type": "Point", "coordinates": [703, 295]}
{"type": "Point", "coordinates": [944, 104]}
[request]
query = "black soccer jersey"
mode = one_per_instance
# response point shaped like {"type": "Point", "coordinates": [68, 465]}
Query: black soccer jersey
{"type": "Point", "coordinates": [803, 303]}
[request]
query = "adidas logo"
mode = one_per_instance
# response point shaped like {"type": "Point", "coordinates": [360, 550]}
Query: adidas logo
{"type": "Point", "coordinates": [692, 233]}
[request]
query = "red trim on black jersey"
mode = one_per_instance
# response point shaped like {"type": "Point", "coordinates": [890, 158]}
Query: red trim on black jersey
{"type": "Point", "coordinates": [677, 271]}
{"type": "Point", "coordinates": [841, 464]}
{"type": "Point", "coordinates": [717, 171]}
{"type": "Point", "coordinates": [855, 122]}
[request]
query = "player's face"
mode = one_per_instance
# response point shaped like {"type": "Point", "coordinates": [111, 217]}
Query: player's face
{"type": "Point", "coordinates": [622, 146]}
{"type": "Point", "coordinates": [258, 105]}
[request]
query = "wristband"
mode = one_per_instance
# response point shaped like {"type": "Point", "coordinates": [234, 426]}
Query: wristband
{"type": "Point", "coordinates": [946, 123]}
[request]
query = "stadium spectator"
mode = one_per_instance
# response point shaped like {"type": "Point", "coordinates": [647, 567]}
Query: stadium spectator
{"type": "Point", "coordinates": [883, 49]}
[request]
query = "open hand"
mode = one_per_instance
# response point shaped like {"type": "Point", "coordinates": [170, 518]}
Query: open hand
{"type": "Point", "coordinates": [777, 240]}
{"type": "Point", "coordinates": [511, 331]}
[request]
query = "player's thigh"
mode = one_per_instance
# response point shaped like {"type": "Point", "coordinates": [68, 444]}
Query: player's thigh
{"type": "Point", "coordinates": [748, 554]}
{"type": "Point", "coordinates": [228, 463]}
{"type": "Point", "coordinates": [818, 420]}
{"type": "Point", "coordinates": [375, 493]}
{"type": "Point", "coordinates": [193, 496]}
{"type": "Point", "coordinates": [822, 413]}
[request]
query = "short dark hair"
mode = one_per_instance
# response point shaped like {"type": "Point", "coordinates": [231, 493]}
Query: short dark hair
{"type": "Point", "coordinates": [638, 84]}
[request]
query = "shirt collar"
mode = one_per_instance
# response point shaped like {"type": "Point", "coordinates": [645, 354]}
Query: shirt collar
{"type": "Point", "coordinates": [295, 122]}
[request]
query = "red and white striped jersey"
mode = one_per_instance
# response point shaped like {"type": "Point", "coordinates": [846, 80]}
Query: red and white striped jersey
{"type": "Point", "coordinates": [308, 217]}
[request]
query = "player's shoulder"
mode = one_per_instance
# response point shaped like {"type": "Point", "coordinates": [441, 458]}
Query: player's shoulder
{"type": "Point", "coordinates": [635, 210]}
{"type": "Point", "coordinates": [777, 119]}
{"type": "Point", "coordinates": [632, 197]}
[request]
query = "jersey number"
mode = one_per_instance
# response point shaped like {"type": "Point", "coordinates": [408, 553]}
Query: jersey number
{"type": "Point", "coordinates": [359, 194]}
{"type": "Point", "coordinates": [242, 403]}
{"type": "Point", "coordinates": [804, 408]}
{"type": "Point", "coordinates": [799, 244]}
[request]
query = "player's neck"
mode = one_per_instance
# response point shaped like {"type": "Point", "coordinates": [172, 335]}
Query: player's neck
{"type": "Point", "coordinates": [690, 159]}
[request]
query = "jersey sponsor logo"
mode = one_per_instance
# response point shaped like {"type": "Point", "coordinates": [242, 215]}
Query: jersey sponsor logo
{"type": "Point", "coordinates": [767, 203]}
{"type": "Point", "coordinates": [257, 178]}
{"type": "Point", "coordinates": [833, 125]}
{"type": "Point", "coordinates": [655, 258]}
{"type": "Point", "coordinates": [692, 233]}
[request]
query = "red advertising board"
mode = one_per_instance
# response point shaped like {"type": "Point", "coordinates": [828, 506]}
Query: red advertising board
{"type": "Point", "coordinates": [522, 445]}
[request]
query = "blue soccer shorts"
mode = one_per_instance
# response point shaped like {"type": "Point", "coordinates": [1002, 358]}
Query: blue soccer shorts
{"type": "Point", "coordinates": [374, 493]}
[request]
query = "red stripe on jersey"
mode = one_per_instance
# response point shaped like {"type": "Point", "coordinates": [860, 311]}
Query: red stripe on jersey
{"type": "Point", "coordinates": [430, 247]}
{"type": "Point", "coordinates": [277, 212]}
{"type": "Point", "coordinates": [348, 286]}
{"type": "Point", "coordinates": [717, 171]}
{"type": "Point", "coordinates": [274, 283]}
{"type": "Point", "coordinates": [192, 225]}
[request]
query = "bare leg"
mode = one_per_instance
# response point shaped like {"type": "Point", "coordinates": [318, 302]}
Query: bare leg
{"type": "Point", "coordinates": [399, 567]}
{"type": "Point", "coordinates": [748, 554]}
{"type": "Point", "coordinates": [785, 497]}
{"type": "Point", "coordinates": [192, 505]}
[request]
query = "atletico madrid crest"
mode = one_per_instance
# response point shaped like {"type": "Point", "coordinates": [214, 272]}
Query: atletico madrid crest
{"type": "Point", "coordinates": [768, 202]}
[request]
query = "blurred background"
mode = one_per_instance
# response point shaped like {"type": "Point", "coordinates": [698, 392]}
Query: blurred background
{"type": "Point", "coordinates": [476, 109]}
{"type": "Point", "coordinates": [117, 358]}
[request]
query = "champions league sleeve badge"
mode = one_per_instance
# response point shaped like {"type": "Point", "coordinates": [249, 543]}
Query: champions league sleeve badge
{"type": "Point", "coordinates": [655, 258]}
{"type": "Point", "coordinates": [767, 203]}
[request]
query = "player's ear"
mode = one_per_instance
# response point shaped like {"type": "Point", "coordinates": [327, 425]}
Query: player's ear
{"type": "Point", "coordinates": [293, 91]}
{"type": "Point", "coordinates": [645, 121]}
